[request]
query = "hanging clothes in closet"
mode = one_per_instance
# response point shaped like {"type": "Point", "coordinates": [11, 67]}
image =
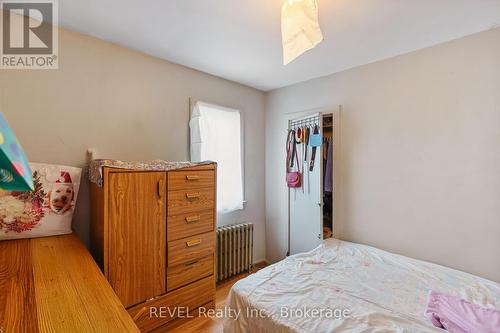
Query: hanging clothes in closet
{"type": "Point", "coordinates": [328, 182]}
{"type": "Point", "coordinates": [328, 146]}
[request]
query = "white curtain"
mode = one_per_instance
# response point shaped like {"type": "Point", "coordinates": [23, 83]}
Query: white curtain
{"type": "Point", "coordinates": [216, 136]}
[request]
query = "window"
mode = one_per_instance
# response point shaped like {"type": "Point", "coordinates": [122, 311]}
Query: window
{"type": "Point", "coordinates": [216, 136]}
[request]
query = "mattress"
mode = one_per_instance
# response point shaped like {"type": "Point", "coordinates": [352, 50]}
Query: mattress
{"type": "Point", "coordinates": [347, 287]}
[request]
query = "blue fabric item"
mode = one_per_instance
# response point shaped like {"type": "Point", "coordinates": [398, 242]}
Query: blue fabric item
{"type": "Point", "coordinates": [315, 140]}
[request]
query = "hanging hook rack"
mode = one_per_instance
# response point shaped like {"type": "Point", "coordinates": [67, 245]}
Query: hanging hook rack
{"type": "Point", "coordinates": [305, 122]}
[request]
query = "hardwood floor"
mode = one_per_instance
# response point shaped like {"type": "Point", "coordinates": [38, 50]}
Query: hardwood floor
{"type": "Point", "coordinates": [207, 325]}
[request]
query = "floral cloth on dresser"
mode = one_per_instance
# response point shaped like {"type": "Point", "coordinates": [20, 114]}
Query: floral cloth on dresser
{"type": "Point", "coordinates": [47, 210]}
{"type": "Point", "coordinates": [94, 170]}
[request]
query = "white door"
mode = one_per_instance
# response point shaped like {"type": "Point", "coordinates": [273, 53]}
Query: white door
{"type": "Point", "coordinates": [306, 217]}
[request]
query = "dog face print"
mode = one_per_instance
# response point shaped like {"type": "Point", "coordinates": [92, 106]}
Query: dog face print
{"type": "Point", "coordinates": [61, 198]}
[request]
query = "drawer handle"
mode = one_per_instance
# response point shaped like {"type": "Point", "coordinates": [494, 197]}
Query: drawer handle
{"type": "Point", "coordinates": [192, 178]}
{"type": "Point", "coordinates": [192, 219]}
{"type": "Point", "coordinates": [139, 314]}
{"type": "Point", "coordinates": [193, 195]}
{"type": "Point", "coordinates": [191, 263]}
{"type": "Point", "coordinates": [192, 243]}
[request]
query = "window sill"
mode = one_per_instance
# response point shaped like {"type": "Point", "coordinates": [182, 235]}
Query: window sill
{"type": "Point", "coordinates": [236, 210]}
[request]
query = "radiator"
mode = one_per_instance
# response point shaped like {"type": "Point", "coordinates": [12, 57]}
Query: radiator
{"type": "Point", "coordinates": [234, 250]}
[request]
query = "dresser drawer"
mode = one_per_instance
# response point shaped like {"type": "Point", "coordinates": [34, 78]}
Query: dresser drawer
{"type": "Point", "coordinates": [183, 274]}
{"type": "Point", "coordinates": [189, 180]}
{"type": "Point", "coordinates": [189, 224]}
{"type": "Point", "coordinates": [187, 201]}
{"type": "Point", "coordinates": [159, 311]}
{"type": "Point", "coordinates": [190, 248]}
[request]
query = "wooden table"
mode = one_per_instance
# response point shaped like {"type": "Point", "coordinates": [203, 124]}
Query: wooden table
{"type": "Point", "coordinates": [52, 284]}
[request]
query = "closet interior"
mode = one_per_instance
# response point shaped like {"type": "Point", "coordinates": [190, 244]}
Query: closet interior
{"type": "Point", "coordinates": [310, 170]}
{"type": "Point", "coordinates": [327, 165]}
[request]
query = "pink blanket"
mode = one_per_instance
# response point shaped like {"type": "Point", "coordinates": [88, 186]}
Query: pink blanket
{"type": "Point", "coordinates": [459, 316]}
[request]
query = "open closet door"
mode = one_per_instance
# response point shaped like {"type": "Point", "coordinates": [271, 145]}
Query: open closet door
{"type": "Point", "coordinates": [305, 202]}
{"type": "Point", "coordinates": [305, 212]}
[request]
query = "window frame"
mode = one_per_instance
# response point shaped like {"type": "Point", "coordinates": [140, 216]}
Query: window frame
{"type": "Point", "coordinates": [192, 104]}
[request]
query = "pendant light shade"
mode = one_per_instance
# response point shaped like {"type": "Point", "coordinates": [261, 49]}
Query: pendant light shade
{"type": "Point", "coordinates": [299, 28]}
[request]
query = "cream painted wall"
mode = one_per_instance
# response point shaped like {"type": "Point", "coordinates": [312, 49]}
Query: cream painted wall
{"type": "Point", "coordinates": [127, 106]}
{"type": "Point", "coordinates": [420, 155]}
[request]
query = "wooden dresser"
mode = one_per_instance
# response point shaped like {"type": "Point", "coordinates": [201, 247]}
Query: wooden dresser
{"type": "Point", "coordinates": [153, 235]}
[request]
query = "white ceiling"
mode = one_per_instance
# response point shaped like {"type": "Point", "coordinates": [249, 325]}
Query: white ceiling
{"type": "Point", "coordinates": [240, 40]}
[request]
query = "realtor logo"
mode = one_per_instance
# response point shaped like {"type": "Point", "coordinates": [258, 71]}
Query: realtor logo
{"type": "Point", "coordinates": [29, 34]}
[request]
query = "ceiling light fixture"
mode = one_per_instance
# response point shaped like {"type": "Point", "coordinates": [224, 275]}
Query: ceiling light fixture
{"type": "Point", "coordinates": [300, 28]}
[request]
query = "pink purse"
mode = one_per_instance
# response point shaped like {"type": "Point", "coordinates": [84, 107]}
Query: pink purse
{"type": "Point", "coordinates": [293, 178]}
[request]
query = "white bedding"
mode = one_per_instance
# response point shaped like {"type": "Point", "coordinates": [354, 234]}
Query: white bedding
{"type": "Point", "coordinates": [381, 291]}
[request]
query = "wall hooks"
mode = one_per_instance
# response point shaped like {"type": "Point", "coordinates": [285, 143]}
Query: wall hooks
{"type": "Point", "coordinates": [310, 121]}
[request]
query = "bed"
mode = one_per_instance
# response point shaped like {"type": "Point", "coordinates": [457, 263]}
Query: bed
{"type": "Point", "coordinates": [347, 287]}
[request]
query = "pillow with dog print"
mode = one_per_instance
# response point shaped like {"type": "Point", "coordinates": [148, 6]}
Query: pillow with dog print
{"type": "Point", "coordinates": [45, 211]}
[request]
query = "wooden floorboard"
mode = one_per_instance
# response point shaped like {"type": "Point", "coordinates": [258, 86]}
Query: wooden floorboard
{"type": "Point", "coordinates": [207, 325]}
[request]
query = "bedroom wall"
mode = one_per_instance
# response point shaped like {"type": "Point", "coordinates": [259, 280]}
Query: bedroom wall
{"type": "Point", "coordinates": [127, 106]}
{"type": "Point", "coordinates": [420, 156]}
